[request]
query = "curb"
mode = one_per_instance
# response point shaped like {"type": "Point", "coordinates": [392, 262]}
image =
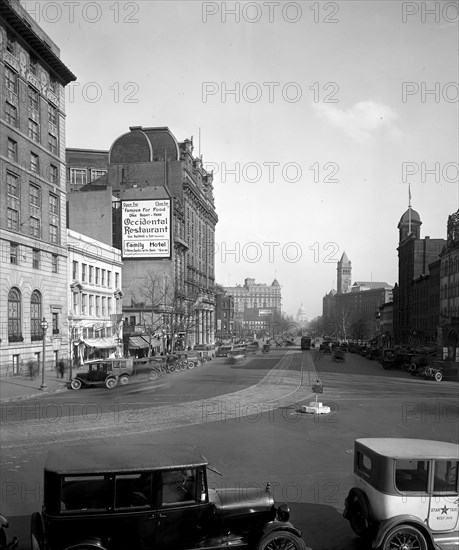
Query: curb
{"type": "Point", "coordinates": [31, 395]}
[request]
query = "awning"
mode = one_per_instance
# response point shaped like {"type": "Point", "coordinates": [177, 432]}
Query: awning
{"type": "Point", "coordinates": [137, 342]}
{"type": "Point", "coordinates": [101, 343]}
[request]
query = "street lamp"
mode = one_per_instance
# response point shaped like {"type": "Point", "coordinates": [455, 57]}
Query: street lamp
{"type": "Point", "coordinates": [44, 328]}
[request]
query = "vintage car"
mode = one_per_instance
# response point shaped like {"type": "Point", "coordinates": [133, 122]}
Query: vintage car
{"type": "Point", "coordinates": [222, 351]}
{"type": "Point", "coordinates": [104, 372]}
{"type": "Point", "coordinates": [142, 497]}
{"type": "Point", "coordinates": [406, 494]}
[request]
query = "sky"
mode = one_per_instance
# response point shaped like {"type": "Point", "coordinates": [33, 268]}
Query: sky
{"type": "Point", "coordinates": [315, 117]}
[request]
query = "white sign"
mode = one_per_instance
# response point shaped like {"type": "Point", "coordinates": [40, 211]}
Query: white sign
{"type": "Point", "coordinates": [146, 228]}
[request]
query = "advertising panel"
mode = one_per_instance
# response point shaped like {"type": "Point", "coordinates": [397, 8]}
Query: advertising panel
{"type": "Point", "coordinates": [146, 228]}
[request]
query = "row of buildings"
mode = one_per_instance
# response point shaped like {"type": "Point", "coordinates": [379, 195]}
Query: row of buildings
{"type": "Point", "coordinates": [423, 306]}
{"type": "Point", "coordinates": [98, 248]}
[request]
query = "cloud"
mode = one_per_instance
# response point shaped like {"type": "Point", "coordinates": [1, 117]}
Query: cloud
{"type": "Point", "coordinates": [361, 121]}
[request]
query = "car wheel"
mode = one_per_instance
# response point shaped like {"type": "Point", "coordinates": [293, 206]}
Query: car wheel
{"type": "Point", "coordinates": [75, 384]}
{"type": "Point", "coordinates": [413, 368]}
{"type": "Point", "coordinates": [404, 537]}
{"type": "Point", "coordinates": [124, 379]}
{"type": "Point", "coordinates": [153, 375]}
{"type": "Point", "coordinates": [438, 376]}
{"type": "Point", "coordinates": [281, 540]}
{"type": "Point", "coordinates": [172, 368]}
{"type": "Point", "coordinates": [358, 516]}
{"type": "Point", "coordinates": [191, 364]}
{"type": "Point", "coordinates": [110, 383]}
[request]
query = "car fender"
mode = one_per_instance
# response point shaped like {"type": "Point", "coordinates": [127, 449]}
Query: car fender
{"type": "Point", "coordinates": [89, 543]}
{"type": "Point", "coordinates": [36, 531]}
{"type": "Point", "coordinates": [385, 526]}
{"type": "Point", "coordinates": [362, 498]}
{"type": "Point", "coordinates": [277, 525]}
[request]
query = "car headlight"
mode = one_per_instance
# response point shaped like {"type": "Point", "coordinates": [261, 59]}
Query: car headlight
{"type": "Point", "coordinates": [283, 512]}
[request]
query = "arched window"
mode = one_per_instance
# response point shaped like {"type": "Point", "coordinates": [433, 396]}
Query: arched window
{"type": "Point", "coordinates": [35, 316]}
{"type": "Point", "coordinates": [14, 315]}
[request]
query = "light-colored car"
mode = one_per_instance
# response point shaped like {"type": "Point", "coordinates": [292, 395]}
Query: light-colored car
{"type": "Point", "coordinates": [406, 494]}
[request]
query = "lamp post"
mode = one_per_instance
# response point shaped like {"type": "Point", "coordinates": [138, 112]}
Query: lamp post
{"type": "Point", "coordinates": [44, 328]}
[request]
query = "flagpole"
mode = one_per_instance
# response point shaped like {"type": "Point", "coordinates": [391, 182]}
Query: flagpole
{"type": "Point", "coordinates": [409, 209]}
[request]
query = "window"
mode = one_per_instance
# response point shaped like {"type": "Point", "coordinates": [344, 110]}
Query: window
{"type": "Point", "coordinates": [52, 143]}
{"type": "Point", "coordinates": [34, 131]}
{"type": "Point", "coordinates": [55, 322]}
{"type": "Point", "coordinates": [102, 282]}
{"type": "Point", "coordinates": [14, 250]}
{"type": "Point", "coordinates": [35, 316]}
{"type": "Point", "coordinates": [53, 234]}
{"type": "Point", "coordinates": [54, 204]}
{"type": "Point", "coordinates": [133, 490]}
{"type": "Point", "coordinates": [35, 196]}
{"type": "Point", "coordinates": [411, 475]}
{"type": "Point", "coordinates": [14, 315]}
{"type": "Point", "coordinates": [104, 306]}
{"type": "Point", "coordinates": [84, 303]}
{"type": "Point", "coordinates": [36, 258]}
{"type": "Point", "coordinates": [83, 272]}
{"type": "Point", "coordinates": [109, 278]}
{"type": "Point", "coordinates": [35, 227]}
{"type": "Point", "coordinates": [33, 65]}
{"type": "Point", "coordinates": [75, 270]}
{"type": "Point", "coordinates": [12, 219]}
{"type": "Point", "coordinates": [77, 176]}
{"type": "Point", "coordinates": [12, 150]}
{"type": "Point", "coordinates": [54, 85]}
{"type": "Point", "coordinates": [95, 174]}
{"type": "Point", "coordinates": [91, 304]}
{"type": "Point", "coordinates": [54, 263]}
{"type": "Point", "coordinates": [178, 486]}
{"type": "Point", "coordinates": [33, 98]}
{"type": "Point", "coordinates": [91, 274]}
{"type": "Point", "coordinates": [75, 303]}
{"type": "Point", "coordinates": [97, 275]}
{"type": "Point", "coordinates": [11, 114]}
{"type": "Point", "coordinates": [86, 493]}
{"type": "Point", "coordinates": [97, 306]}
{"type": "Point", "coordinates": [34, 163]}
{"type": "Point", "coordinates": [12, 184]}
{"type": "Point", "coordinates": [52, 114]}
{"type": "Point", "coordinates": [109, 305]}
{"type": "Point", "coordinates": [53, 174]}
{"type": "Point", "coordinates": [11, 81]}
{"type": "Point", "coordinates": [10, 43]}
{"type": "Point", "coordinates": [445, 477]}
{"type": "Point", "coordinates": [117, 280]}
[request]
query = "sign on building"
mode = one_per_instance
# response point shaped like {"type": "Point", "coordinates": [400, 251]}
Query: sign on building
{"type": "Point", "coordinates": [146, 228]}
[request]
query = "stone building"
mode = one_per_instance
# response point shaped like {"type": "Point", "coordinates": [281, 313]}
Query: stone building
{"type": "Point", "coordinates": [449, 290]}
{"type": "Point", "coordinates": [414, 256]}
{"type": "Point", "coordinates": [33, 239]}
{"type": "Point", "coordinates": [95, 299]}
{"type": "Point", "coordinates": [224, 315]}
{"type": "Point", "coordinates": [255, 295]}
{"type": "Point", "coordinates": [172, 245]}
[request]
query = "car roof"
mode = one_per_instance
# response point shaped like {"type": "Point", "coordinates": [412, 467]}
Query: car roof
{"type": "Point", "coordinates": [405, 448]}
{"type": "Point", "coordinates": [93, 459]}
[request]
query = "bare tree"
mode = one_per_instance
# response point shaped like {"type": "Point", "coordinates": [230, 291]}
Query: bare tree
{"type": "Point", "coordinates": [343, 320]}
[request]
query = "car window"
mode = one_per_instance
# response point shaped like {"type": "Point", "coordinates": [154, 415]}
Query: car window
{"type": "Point", "coordinates": [84, 493]}
{"type": "Point", "coordinates": [133, 490]}
{"type": "Point", "coordinates": [178, 486]}
{"type": "Point", "coordinates": [411, 475]}
{"type": "Point", "coordinates": [364, 463]}
{"type": "Point", "coordinates": [445, 477]}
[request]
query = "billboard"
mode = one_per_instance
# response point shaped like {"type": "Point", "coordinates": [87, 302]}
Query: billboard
{"type": "Point", "coordinates": [146, 228]}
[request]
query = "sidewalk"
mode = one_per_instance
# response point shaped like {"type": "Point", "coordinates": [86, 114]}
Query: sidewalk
{"type": "Point", "coordinates": [14, 388]}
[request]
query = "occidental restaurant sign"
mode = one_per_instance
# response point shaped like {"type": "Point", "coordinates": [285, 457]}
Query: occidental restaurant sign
{"type": "Point", "coordinates": [146, 228]}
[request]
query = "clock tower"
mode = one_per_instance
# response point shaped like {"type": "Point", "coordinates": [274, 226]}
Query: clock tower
{"type": "Point", "coordinates": [344, 274]}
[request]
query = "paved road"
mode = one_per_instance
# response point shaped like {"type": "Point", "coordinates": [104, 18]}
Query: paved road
{"type": "Point", "coordinates": [257, 434]}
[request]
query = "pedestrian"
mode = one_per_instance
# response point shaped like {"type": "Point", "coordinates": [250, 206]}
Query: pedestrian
{"type": "Point", "coordinates": [61, 367]}
{"type": "Point", "coordinates": [31, 366]}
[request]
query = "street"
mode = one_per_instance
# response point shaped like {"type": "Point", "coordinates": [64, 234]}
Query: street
{"type": "Point", "coordinates": [246, 420]}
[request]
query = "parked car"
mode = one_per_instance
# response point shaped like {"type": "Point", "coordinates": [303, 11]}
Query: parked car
{"type": "Point", "coordinates": [151, 497]}
{"type": "Point", "coordinates": [222, 351]}
{"type": "Point", "coordinates": [104, 372]}
{"type": "Point", "coordinates": [405, 495]}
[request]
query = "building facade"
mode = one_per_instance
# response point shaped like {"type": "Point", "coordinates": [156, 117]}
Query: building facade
{"type": "Point", "coordinates": [33, 241]}
{"type": "Point", "coordinates": [344, 274]}
{"type": "Point", "coordinates": [449, 291]}
{"type": "Point", "coordinates": [224, 315]}
{"type": "Point", "coordinates": [149, 164]}
{"type": "Point", "coordinates": [255, 295]}
{"type": "Point", "coordinates": [95, 299]}
{"type": "Point", "coordinates": [414, 256]}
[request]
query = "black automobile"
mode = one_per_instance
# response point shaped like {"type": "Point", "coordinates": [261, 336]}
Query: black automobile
{"type": "Point", "coordinates": [142, 497]}
{"type": "Point", "coordinates": [104, 372]}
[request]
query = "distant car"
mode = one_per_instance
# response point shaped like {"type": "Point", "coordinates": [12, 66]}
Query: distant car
{"type": "Point", "coordinates": [222, 351]}
{"type": "Point", "coordinates": [104, 372]}
{"type": "Point", "coordinates": [128, 497]}
{"type": "Point", "coordinates": [406, 494]}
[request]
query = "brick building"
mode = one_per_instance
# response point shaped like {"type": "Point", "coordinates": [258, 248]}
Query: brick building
{"type": "Point", "coordinates": [255, 295]}
{"type": "Point", "coordinates": [33, 241]}
{"type": "Point", "coordinates": [224, 315]}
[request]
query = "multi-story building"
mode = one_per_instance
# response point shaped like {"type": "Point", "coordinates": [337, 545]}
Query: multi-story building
{"type": "Point", "coordinates": [156, 204]}
{"type": "Point", "coordinates": [425, 292]}
{"type": "Point", "coordinates": [449, 290]}
{"type": "Point", "coordinates": [84, 166]}
{"type": "Point", "coordinates": [95, 297]}
{"type": "Point", "coordinates": [224, 316]}
{"type": "Point", "coordinates": [33, 243]}
{"type": "Point", "coordinates": [255, 295]}
{"type": "Point", "coordinates": [414, 256]}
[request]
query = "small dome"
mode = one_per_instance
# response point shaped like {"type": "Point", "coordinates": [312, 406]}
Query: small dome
{"type": "Point", "coordinates": [301, 311]}
{"type": "Point", "coordinates": [406, 217]}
